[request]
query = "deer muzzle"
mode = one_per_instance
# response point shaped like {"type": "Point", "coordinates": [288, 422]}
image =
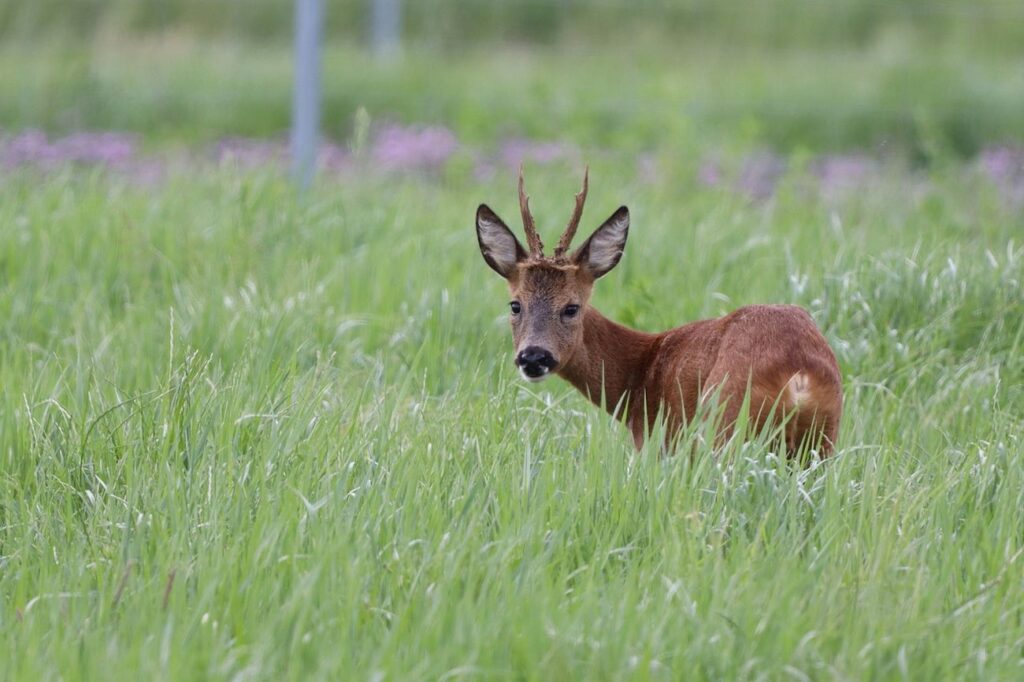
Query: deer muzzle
{"type": "Point", "coordinates": [535, 362]}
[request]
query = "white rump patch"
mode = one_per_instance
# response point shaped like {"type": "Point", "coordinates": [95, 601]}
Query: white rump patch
{"type": "Point", "coordinates": [799, 387]}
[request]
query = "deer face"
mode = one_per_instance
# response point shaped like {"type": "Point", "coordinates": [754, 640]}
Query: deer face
{"type": "Point", "coordinates": [546, 310]}
{"type": "Point", "coordinates": [549, 296]}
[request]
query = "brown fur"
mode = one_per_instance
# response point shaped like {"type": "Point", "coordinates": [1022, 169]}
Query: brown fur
{"type": "Point", "coordinates": [775, 352]}
{"type": "Point", "coordinates": [675, 370]}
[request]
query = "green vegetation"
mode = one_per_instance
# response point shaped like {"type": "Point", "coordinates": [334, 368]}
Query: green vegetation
{"type": "Point", "coordinates": [247, 435]}
{"type": "Point", "coordinates": [241, 435]}
{"type": "Point", "coordinates": [992, 26]}
{"type": "Point", "coordinates": [681, 99]}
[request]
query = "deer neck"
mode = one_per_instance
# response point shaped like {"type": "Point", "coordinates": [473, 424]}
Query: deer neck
{"type": "Point", "coordinates": [611, 364]}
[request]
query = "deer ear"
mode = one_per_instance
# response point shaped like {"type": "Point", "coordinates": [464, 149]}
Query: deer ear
{"type": "Point", "coordinates": [499, 246]}
{"type": "Point", "coordinates": [603, 249]}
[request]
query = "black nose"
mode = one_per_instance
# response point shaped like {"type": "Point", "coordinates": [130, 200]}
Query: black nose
{"type": "Point", "coordinates": [536, 361]}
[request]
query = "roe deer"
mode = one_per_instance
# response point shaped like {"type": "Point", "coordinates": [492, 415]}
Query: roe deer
{"type": "Point", "coordinates": [773, 351]}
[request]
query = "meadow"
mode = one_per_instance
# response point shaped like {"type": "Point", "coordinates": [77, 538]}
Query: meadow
{"type": "Point", "coordinates": [250, 434]}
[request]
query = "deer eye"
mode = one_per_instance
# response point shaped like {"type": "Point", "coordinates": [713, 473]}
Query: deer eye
{"type": "Point", "coordinates": [570, 310]}
{"type": "Point", "coordinates": [516, 307]}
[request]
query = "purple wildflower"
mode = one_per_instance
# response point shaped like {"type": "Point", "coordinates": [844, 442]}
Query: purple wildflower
{"type": "Point", "coordinates": [398, 148]}
{"type": "Point", "coordinates": [484, 169]}
{"type": "Point", "coordinates": [105, 148]}
{"type": "Point", "coordinates": [334, 158]}
{"type": "Point", "coordinates": [246, 152]}
{"type": "Point", "coordinates": [33, 148]}
{"type": "Point", "coordinates": [1004, 166]}
{"type": "Point", "coordinates": [710, 173]}
{"type": "Point", "coordinates": [840, 173]}
{"type": "Point", "coordinates": [517, 151]}
{"type": "Point", "coordinates": [760, 175]}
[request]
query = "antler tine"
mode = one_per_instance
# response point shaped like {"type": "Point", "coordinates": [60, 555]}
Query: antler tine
{"type": "Point", "coordinates": [532, 238]}
{"type": "Point", "coordinates": [574, 221]}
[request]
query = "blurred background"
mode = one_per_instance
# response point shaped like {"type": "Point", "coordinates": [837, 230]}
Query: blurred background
{"type": "Point", "coordinates": [729, 92]}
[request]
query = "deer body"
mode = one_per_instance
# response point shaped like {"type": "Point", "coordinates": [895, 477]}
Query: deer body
{"type": "Point", "coordinates": [773, 351]}
{"type": "Point", "coordinates": [678, 369]}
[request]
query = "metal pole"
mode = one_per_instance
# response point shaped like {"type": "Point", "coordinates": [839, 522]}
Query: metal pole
{"type": "Point", "coordinates": [306, 98]}
{"type": "Point", "coordinates": [387, 27]}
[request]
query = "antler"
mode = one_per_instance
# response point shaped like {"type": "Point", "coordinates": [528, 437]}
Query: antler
{"type": "Point", "coordinates": [574, 220]}
{"type": "Point", "coordinates": [532, 238]}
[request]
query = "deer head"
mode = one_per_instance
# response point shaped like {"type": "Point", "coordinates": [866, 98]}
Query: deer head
{"type": "Point", "coordinates": [549, 296]}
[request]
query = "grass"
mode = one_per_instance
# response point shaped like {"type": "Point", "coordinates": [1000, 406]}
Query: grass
{"type": "Point", "coordinates": [246, 436]}
{"type": "Point", "coordinates": [900, 93]}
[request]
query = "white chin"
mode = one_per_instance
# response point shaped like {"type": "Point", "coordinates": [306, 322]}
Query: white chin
{"type": "Point", "coordinates": [534, 380]}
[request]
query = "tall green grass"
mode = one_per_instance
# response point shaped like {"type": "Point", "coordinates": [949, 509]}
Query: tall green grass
{"type": "Point", "coordinates": [991, 26]}
{"type": "Point", "coordinates": [900, 95]}
{"type": "Point", "coordinates": [245, 436]}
